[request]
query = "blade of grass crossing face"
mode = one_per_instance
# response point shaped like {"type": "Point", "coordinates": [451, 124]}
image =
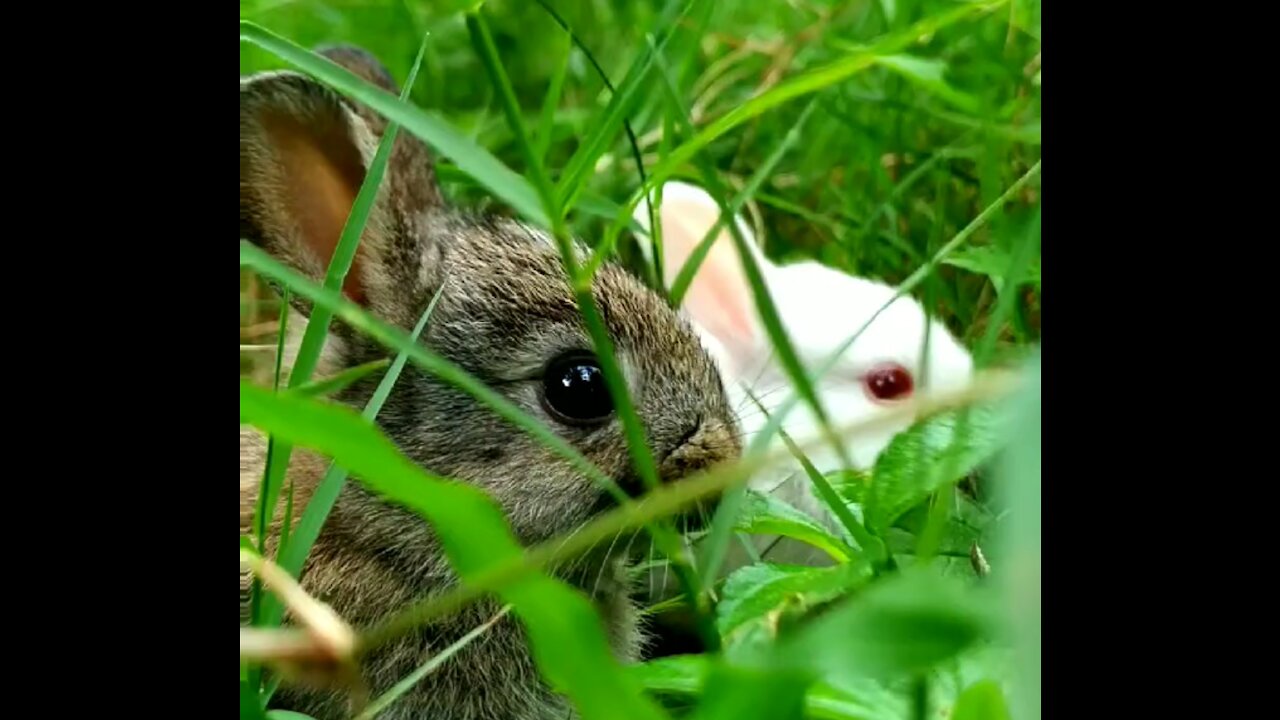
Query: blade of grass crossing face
{"type": "Point", "coordinates": [567, 638]}
{"type": "Point", "coordinates": [443, 137]}
{"type": "Point", "coordinates": [318, 325]}
{"type": "Point", "coordinates": [766, 310]}
{"type": "Point", "coordinates": [293, 556]}
{"type": "Point", "coordinates": [396, 339]}
{"type": "Point", "coordinates": [382, 702]}
{"type": "Point", "coordinates": [332, 385]}
{"type": "Point", "coordinates": [637, 443]}
{"type": "Point", "coordinates": [360, 320]}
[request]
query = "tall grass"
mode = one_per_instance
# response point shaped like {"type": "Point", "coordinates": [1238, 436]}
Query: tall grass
{"type": "Point", "coordinates": [853, 133]}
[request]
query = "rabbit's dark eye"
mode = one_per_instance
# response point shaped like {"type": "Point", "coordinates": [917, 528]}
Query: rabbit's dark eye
{"type": "Point", "coordinates": [574, 390]}
{"type": "Point", "coordinates": [886, 382]}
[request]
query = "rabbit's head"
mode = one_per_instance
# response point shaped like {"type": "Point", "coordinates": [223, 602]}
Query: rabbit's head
{"type": "Point", "coordinates": [820, 308]}
{"type": "Point", "coordinates": [506, 315]}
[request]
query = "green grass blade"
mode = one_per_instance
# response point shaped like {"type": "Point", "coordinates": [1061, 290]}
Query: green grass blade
{"type": "Point", "coordinates": [547, 118]}
{"type": "Point", "coordinates": [343, 380]}
{"type": "Point", "coordinates": [250, 705]}
{"type": "Point", "coordinates": [443, 137]}
{"type": "Point", "coordinates": [568, 640]}
{"type": "Point", "coordinates": [294, 555]}
{"type": "Point", "coordinates": [604, 77]}
{"type": "Point", "coordinates": [1020, 480]}
{"type": "Point", "coordinates": [383, 701]}
{"type": "Point", "coordinates": [623, 100]}
{"type": "Point", "coordinates": [482, 40]}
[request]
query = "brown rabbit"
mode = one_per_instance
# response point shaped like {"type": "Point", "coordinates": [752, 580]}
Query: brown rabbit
{"type": "Point", "coordinates": [506, 316]}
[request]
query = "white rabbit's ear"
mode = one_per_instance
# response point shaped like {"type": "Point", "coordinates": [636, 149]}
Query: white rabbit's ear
{"type": "Point", "coordinates": [719, 299]}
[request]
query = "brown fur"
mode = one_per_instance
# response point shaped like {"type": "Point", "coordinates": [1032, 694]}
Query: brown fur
{"type": "Point", "coordinates": [506, 310]}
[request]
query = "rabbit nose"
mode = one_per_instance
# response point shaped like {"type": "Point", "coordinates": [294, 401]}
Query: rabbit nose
{"type": "Point", "coordinates": [706, 444]}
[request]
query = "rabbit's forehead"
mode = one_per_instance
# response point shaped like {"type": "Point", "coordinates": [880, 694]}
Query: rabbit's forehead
{"type": "Point", "coordinates": [506, 280]}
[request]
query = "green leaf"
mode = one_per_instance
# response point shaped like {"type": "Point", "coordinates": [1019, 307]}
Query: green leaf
{"type": "Point", "coordinates": [766, 515]}
{"type": "Point", "coordinates": [984, 700]}
{"type": "Point", "coordinates": [754, 591]}
{"type": "Point", "coordinates": [926, 457]}
{"type": "Point", "coordinates": [567, 638]}
{"type": "Point", "coordinates": [332, 385]}
{"type": "Point", "coordinates": [250, 704]}
{"type": "Point", "coordinates": [929, 74]}
{"type": "Point", "coordinates": [900, 626]}
{"type": "Point", "coordinates": [984, 665]}
{"type": "Point", "coordinates": [686, 675]}
{"type": "Point", "coordinates": [287, 715]}
{"type": "Point", "coordinates": [733, 692]}
{"type": "Point", "coordinates": [431, 128]}
{"type": "Point", "coordinates": [993, 262]}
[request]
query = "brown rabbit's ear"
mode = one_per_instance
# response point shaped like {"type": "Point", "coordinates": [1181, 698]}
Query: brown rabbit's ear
{"type": "Point", "coordinates": [304, 153]}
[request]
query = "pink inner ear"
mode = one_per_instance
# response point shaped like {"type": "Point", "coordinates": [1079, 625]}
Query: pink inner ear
{"type": "Point", "coordinates": [719, 298]}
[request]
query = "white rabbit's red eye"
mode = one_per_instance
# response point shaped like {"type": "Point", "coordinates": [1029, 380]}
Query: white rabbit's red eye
{"type": "Point", "coordinates": [888, 382]}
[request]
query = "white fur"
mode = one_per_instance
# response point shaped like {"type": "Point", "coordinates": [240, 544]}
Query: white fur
{"type": "Point", "coordinates": [820, 308]}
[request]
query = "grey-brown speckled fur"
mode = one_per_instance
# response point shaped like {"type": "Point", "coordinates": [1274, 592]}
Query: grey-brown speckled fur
{"type": "Point", "coordinates": [506, 310]}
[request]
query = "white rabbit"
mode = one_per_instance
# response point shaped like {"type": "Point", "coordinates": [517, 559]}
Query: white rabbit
{"type": "Point", "coordinates": [820, 308]}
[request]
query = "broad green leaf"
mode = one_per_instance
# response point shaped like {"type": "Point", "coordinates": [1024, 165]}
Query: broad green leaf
{"type": "Point", "coordinates": [686, 675]}
{"type": "Point", "coordinates": [984, 700]}
{"type": "Point", "coordinates": [984, 665]}
{"type": "Point", "coordinates": [431, 128]}
{"type": "Point", "coordinates": [764, 589]}
{"type": "Point", "coordinates": [929, 74]}
{"type": "Point", "coordinates": [566, 635]}
{"type": "Point", "coordinates": [993, 262]}
{"type": "Point", "coordinates": [287, 715]}
{"type": "Point", "coordinates": [900, 626]}
{"type": "Point", "coordinates": [732, 692]}
{"type": "Point", "coordinates": [766, 515]}
{"type": "Point", "coordinates": [927, 456]}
